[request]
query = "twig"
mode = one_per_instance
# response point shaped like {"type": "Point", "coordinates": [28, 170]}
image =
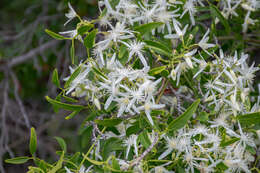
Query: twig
{"type": "Point", "coordinates": [137, 160]}
{"type": "Point", "coordinates": [19, 101]}
{"type": "Point", "coordinates": [3, 124]}
{"type": "Point", "coordinates": [20, 59]}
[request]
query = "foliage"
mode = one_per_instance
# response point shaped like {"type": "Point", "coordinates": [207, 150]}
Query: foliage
{"type": "Point", "coordinates": [158, 94]}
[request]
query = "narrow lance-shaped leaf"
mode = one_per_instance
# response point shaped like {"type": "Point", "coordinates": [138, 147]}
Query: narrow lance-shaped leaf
{"type": "Point", "coordinates": [18, 160]}
{"type": "Point", "coordinates": [249, 119]}
{"type": "Point", "coordinates": [58, 165]}
{"type": "Point", "coordinates": [72, 77]}
{"type": "Point", "coordinates": [33, 141]}
{"type": "Point", "coordinates": [73, 114]}
{"type": "Point", "coordinates": [89, 40]}
{"type": "Point", "coordinates": [62, 143]}
{"type": "Point", "coordinates": [84, 28]}
{"type": "Point", "coordinates": [156, 70]}
{"type": "Point", "coordinates": [55, 35]}
{"type": "Point", "coordinates": [65, 106]}
{"type": "Point", "coordinates": [184, 118]}
{"type": "Point", "coordinates": [55, 78]}
{"type": "Point", "coordinates": [158, 47]}
{"type": "Point", "coordinates": [145, 28]}
{"type": "Point", "coordinates": [216, 13]}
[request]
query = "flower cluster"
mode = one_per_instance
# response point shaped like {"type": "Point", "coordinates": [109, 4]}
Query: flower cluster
{"type": "Point", "coordinates": [167, 96]}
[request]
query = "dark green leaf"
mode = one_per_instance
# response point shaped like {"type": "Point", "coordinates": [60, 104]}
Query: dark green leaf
{"type": "Point", "coordinates": [229, 142]}
{"type": "Point", "coordinates": [64, 105]}
{"type": "Point", "coordinates": [62, 143]}
{"type": "Point", "coordinates": [142, 29]}
{"type": "Point", "coordinates": [158, 47]}
{"type": "Point", "coordinates": [33, 141]}
{"type": "Point", "coordinates": [111, 145]}
{"type": "Point", "coordinates": [249, 119]}
{"type": "Point", "coordinates": [89, 40]}
{"type": "Point", "coordinates": [109, 122]}
{"type": "Point", "coordinates": [184, 118]}
{"type": "Point", "coordinates": [216, 13]}
{"type": "Point", "coordinates": [98, 72]}
{"type": "Point", "coordinates": [144, 139]}
{"type": "Point", "coordinates": [54, 35]}
{"type": "Point", "coordinates": [18, 160]}
{"type": "Point", "coordinates": [85, 28]}
{"type": "Point", "coordinates": [72, 77]}
{"type": "Point", "coordinates": [203, 117]}
{"type": "Point", "coordinates": [55, 78]}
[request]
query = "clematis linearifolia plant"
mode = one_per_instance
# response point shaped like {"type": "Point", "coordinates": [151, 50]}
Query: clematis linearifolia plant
{"type": "Point", "coordinates": [158, 91]}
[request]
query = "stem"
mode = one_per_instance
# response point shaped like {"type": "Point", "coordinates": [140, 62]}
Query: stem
{"type": "Point", "coordinates": [90, 149]}
{"type": "Point", "coordinates": [137, 161]}
{"type": "Point", "coordinates": [162, 91]}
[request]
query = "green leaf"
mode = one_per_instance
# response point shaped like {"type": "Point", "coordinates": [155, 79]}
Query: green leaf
{"type": "Point", "coordinates": [72, 77]}
{"type": "Point", "coordinates": [111, 145]}
{"type": "Point", "coordinates": [54, 35]}
{"type": "Point", "coordinates": [132, 130]}
{"type": "Point", "coordinates": [94, 162]}
{"type": "Point", "coordinates": [62, 143]}
{"type": "Point", "coordinates": [109, 122]}
{"type": "Point", "coordinates": [115, 163]}
{"type": "Point", "coordinates": [58, 164]}
{"type": "Point", "coordinates": [144, 139]}
{"type": "Point", "coordinates": [18, 160]}
{"type": "Point", "coordinates": [72, 52]}
{"type": "Point", "coordinates": [86, 136]}
{"type": "Point", "coordinates": [158, 47]}
{"type": "Point", "coordinates": [72, 114]}
{"type": "Point", "coordinates": [89, 40]}
{"type": "Point", "coordinates": [216, 13]}
{"type": "Point", "coordinates": [98, 72]}
{"type": "Point", "coordinates": [33, 141]}
{"type": "Point", "coordinates": [184, 118]}
{"type": "Point", "coordinates": [68, 99]}
{"type": "Point", "coordinates": [64, 105]}
{"type": "Point", "coordinates": [84, 28]}
{"type": "Point", "coordinates": [203, 117]}
{"type": "Point", "coordinates": [229, 142]}
{"type": "Point", "coordinates": [142, 29]}
{"type": "Point", "coordinates": [156, 70]}
{"type": "Point", "coordinates": [55, 78]}
{"type": "Point", "coordinates": [249, 119]}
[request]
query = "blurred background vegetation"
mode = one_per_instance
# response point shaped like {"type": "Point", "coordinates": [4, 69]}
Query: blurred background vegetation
{"type": "Point", "coordinates": [27, 58]}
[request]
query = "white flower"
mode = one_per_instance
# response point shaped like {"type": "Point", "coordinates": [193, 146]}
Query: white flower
{"type": "Point", "coordinates": [248, 21]}
{"type": "Point", "coordinates": [116, 34]}
{"type": "Point", "coordinates": [131, 141]}
{"type": "Point", "coordinates": [190, 8]}
{"type": "Point", "coordinates": [147, 107]}
{"type": "Point", "coordinates": [135, 48]}
{"type": "Point", "coordinates": [72, 34]}
{"type": "Point", "coordinates": [70, 15]}
{"type": "Point", "coordinates": [188, 56]}
{"type": "Point", "coordinates": [179, 33]}
{"type": "Point", "coordinates": [203, 42]}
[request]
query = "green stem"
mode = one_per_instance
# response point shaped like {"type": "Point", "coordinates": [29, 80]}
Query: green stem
{"type": "Point", "coordinates": [90, 149]}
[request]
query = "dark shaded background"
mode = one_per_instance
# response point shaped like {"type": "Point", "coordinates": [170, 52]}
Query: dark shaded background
{"type": "Point", "coordinates": [27, 58]}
